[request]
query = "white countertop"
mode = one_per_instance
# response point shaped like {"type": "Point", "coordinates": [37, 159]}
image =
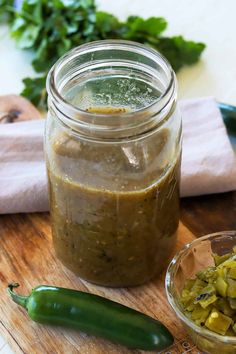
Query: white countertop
{"type": "Point", "coordinates": [210, 21]}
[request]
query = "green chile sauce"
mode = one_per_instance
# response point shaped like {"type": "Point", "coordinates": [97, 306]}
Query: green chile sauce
{"type": "Point", "coordinates": [111, 237]}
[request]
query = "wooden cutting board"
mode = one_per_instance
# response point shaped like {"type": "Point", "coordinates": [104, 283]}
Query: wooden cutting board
{"type": "Point", "coordinates": [27, 256]}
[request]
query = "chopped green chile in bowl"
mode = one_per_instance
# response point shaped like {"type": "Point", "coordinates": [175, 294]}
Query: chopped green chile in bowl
{"type": "Point", "coordinates": [201, 290]}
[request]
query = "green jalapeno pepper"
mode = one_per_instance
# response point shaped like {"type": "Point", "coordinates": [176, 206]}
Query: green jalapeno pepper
{"type": "Point", "coordinates": [229, 116]}
{"type": "Point", "coordinates": [94, 315]}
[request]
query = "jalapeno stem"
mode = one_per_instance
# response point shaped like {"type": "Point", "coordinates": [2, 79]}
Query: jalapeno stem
{"type": "Point", "coordinates": [18, 299]}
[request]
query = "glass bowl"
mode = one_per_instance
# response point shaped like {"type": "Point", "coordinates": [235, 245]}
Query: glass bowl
{"type": "Point", "coordinates": [192, 258]}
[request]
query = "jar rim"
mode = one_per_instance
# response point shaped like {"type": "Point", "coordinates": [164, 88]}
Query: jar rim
{"type": "Point", "coordinates": [110, 44]}
{"type": "Point", "coordinates": [82, 60]}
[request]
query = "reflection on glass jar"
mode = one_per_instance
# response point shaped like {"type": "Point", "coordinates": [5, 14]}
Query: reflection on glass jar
{"type": "Point", "coordinates": [113, 148]}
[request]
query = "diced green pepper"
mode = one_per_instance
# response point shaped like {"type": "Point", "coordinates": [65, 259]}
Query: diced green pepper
{"type": "Point", "coordinates": [231, 291]}
{"type": "Point", "coordinates": [199, 314]}
{"type": "Point", "coordinates": [220, 259]}
{"type": "Point", "coordinates": [217, 322]}
{"type": "Point", "coordinates": [221, 286]}
{"type": "Point", "coordinates": [230, 332]}
{"type": "Point", "coordinates": [234, 327]}
{"type": "Point", "coordinates": [186, 298]}
{"type": "Point", "coordinates": [207, 296]}
{"type": "Point", "coordinates": [191, 306]}
{"type": "Point", "coordinates": [222, 272]}
{"type": "Point", "coordinates": [189, 284]}
{"type": "Point", "coordinates": [223, 306]}
{"type": "Point", "coordinates": [210, 298]}
{"type": "Point", "coordinates": [198, 286]}
{"type": "Point", "coordinates": [232, 303]}
{"type": "Point", "coordinates": [208, 275]}
{"type": "Point", "coordinates": [232, 273]}
{"type": "Point", "coordinates": [230, 263]}
{"type": "Point", "coordinates": [188, 295]}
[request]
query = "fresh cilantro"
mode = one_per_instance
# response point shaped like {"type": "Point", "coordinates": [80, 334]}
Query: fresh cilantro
{"type": "Point", "coordinates": [52, 27]}
{"type": "Point", "coordinates": [7, 11]}
{"type": "Point", "coordinates": [35, 91]}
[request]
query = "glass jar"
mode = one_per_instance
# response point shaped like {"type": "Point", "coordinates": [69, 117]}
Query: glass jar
{"type": "Point", "coordinates": [113, 150]}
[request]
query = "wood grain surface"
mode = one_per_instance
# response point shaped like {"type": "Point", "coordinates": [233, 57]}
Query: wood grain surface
{"type": "Point", "coordinates": [209, 213]}
{"type": "Point", "coordinates": [27, 256]}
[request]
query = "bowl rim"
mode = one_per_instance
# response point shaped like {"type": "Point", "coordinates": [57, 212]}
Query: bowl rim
{"type": "Point", "coordinates": [171, 298]}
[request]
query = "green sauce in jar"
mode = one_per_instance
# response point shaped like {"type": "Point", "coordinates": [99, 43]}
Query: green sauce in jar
{"type": "Point", "coordinates": [113, 149]}
{"type": "Point", "coordinates": [112, 236]}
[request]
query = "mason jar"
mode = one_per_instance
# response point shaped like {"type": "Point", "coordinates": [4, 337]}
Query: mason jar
{"type": "Point", "coordinates": [113, 150]}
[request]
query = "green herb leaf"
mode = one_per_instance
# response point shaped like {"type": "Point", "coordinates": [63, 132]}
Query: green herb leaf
{"type": "Point", "coordinates": [35, 91]}
{"type": "Point", "coordinates": [26, 35]}
{"type": "Point", "coordinates": [179, 51]}
{"type": "Point", "coordinates": [106, 24]}
{"type": "Point", "coordinates": [136, 26]}
{"type": "Point", "coordinates": [7, 11]}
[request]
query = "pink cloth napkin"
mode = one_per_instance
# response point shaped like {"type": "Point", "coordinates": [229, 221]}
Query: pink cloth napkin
{"type": "Point", "coordinates": [23, 181]}
{"type": "Point", "coordinates": [208, 163]}
{"type": "Point", "coordinates": [208, 160]}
